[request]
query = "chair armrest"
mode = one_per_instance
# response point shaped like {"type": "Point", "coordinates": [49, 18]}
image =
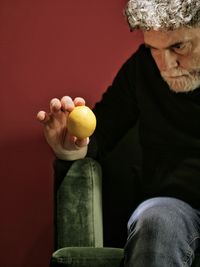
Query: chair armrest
{"type": "Point", "coordinates": [78, 206]}
{"type": "Point", "coordinates": [87, 257]}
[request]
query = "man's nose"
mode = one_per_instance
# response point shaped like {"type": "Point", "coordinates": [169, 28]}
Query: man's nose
{"type": "Point", "coordinates": [168, 60]}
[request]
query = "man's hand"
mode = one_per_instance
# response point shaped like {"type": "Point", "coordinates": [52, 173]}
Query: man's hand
{"type": "Point", "coordinates": [64, 145]}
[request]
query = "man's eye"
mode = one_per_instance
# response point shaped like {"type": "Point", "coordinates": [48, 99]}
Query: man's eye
{"type": "Point", "coordinates": [181, 48]}
{"type": "Point", "coordinates": [154, 51]}
{"type": "Point", "coordinates": [150, 47]}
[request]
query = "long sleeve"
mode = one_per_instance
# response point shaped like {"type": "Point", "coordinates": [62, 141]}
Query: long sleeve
{"type": "Point", "coordinates": [116, 113]}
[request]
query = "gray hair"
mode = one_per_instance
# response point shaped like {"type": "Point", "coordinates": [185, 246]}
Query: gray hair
{"type": "Point", "coordinates": [162, 14]}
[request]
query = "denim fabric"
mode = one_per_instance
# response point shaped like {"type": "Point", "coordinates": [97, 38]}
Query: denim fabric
{"type": "Point", "coordinates": [162, 232]}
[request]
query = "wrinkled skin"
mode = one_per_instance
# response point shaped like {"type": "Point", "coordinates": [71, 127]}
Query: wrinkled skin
{"type": "Point", "coordinates": [177, 56]}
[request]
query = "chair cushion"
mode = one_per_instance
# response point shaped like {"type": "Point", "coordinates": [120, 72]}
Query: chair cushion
{"type": "Point", "coordinates": [87, 257]}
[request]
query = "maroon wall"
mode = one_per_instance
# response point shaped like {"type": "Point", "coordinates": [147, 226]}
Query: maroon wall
{"type": "Point", "coordinates": [48, 49]}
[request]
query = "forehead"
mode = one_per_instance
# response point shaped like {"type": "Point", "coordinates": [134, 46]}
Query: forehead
{"type": "Point", "coordinates": [161, 38]}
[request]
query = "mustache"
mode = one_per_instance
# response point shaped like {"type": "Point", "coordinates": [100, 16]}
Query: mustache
{"type": "Point", "coordinates": [175, 73]}
{"type": "Point", "coordinates": [179, 72]}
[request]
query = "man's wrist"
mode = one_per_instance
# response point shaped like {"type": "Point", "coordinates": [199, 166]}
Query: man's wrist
{"type": "Point", "coordinates": [73, 154]}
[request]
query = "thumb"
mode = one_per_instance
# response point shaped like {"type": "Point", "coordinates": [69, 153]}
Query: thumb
{"type": "Point", "coordinates": [82, 142]}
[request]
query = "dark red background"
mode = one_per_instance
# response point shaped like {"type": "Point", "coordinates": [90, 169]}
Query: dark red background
{"type": "Point", "coordinates": [48, 49]}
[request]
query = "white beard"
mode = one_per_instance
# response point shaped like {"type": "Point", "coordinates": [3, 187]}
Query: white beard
{"type": "Point", "coordinates": [182, 80]}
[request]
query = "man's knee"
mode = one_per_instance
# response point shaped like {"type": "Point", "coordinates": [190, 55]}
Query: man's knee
{"type": "Point", "coordinates": [156, 214]}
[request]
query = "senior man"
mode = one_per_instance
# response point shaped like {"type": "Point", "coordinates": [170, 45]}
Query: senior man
{"type": "Point", "coordinates": [159, 85]}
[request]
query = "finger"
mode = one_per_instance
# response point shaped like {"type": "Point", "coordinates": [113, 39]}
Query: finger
{"type": "Point", "coordinates": [55, 105]}
{"type": "Point", "coordinates": [82, 142]}
{"type": "Point", "coordinates": [67, 103]}
{"type": "Point", "coordinates": [79, 101]}
{"type": "Point", "coordinates": [43, 117]}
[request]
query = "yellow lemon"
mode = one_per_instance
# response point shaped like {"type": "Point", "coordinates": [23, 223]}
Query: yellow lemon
{"type": "Point", "coordinates": [81, 122]}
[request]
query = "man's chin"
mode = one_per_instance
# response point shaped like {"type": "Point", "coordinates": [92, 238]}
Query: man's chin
{"type": "Point", "coordinates": [182, 90]}
{"type": "Point", "coordinates": [178, 89]}
{"type": "Point", "coordinates": [182, 86]}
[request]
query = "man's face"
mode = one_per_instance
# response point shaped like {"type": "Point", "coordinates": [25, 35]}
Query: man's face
{"type": "Point", "coordinates": [177, 56]}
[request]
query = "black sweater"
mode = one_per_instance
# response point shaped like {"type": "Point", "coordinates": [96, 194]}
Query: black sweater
{"type": "Point", "coordinates": [169, 128]}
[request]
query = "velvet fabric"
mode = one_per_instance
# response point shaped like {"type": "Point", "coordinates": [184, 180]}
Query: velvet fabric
{"type": "Point", "coordinates": [78, 206]}
{"type": "Point", "coordinates": [87, 257]}
{"type": "Point", "coordinates": [78, 220]}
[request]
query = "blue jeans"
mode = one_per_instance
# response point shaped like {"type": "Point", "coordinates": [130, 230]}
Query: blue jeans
{"type": "Point", "coordinates": [162, 232]}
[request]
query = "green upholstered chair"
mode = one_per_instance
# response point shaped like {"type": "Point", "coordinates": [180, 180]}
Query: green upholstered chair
{"type": "Point", "coordinates": [90, 230]}
{"type": "Point", "coordinates": [79, 221]}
